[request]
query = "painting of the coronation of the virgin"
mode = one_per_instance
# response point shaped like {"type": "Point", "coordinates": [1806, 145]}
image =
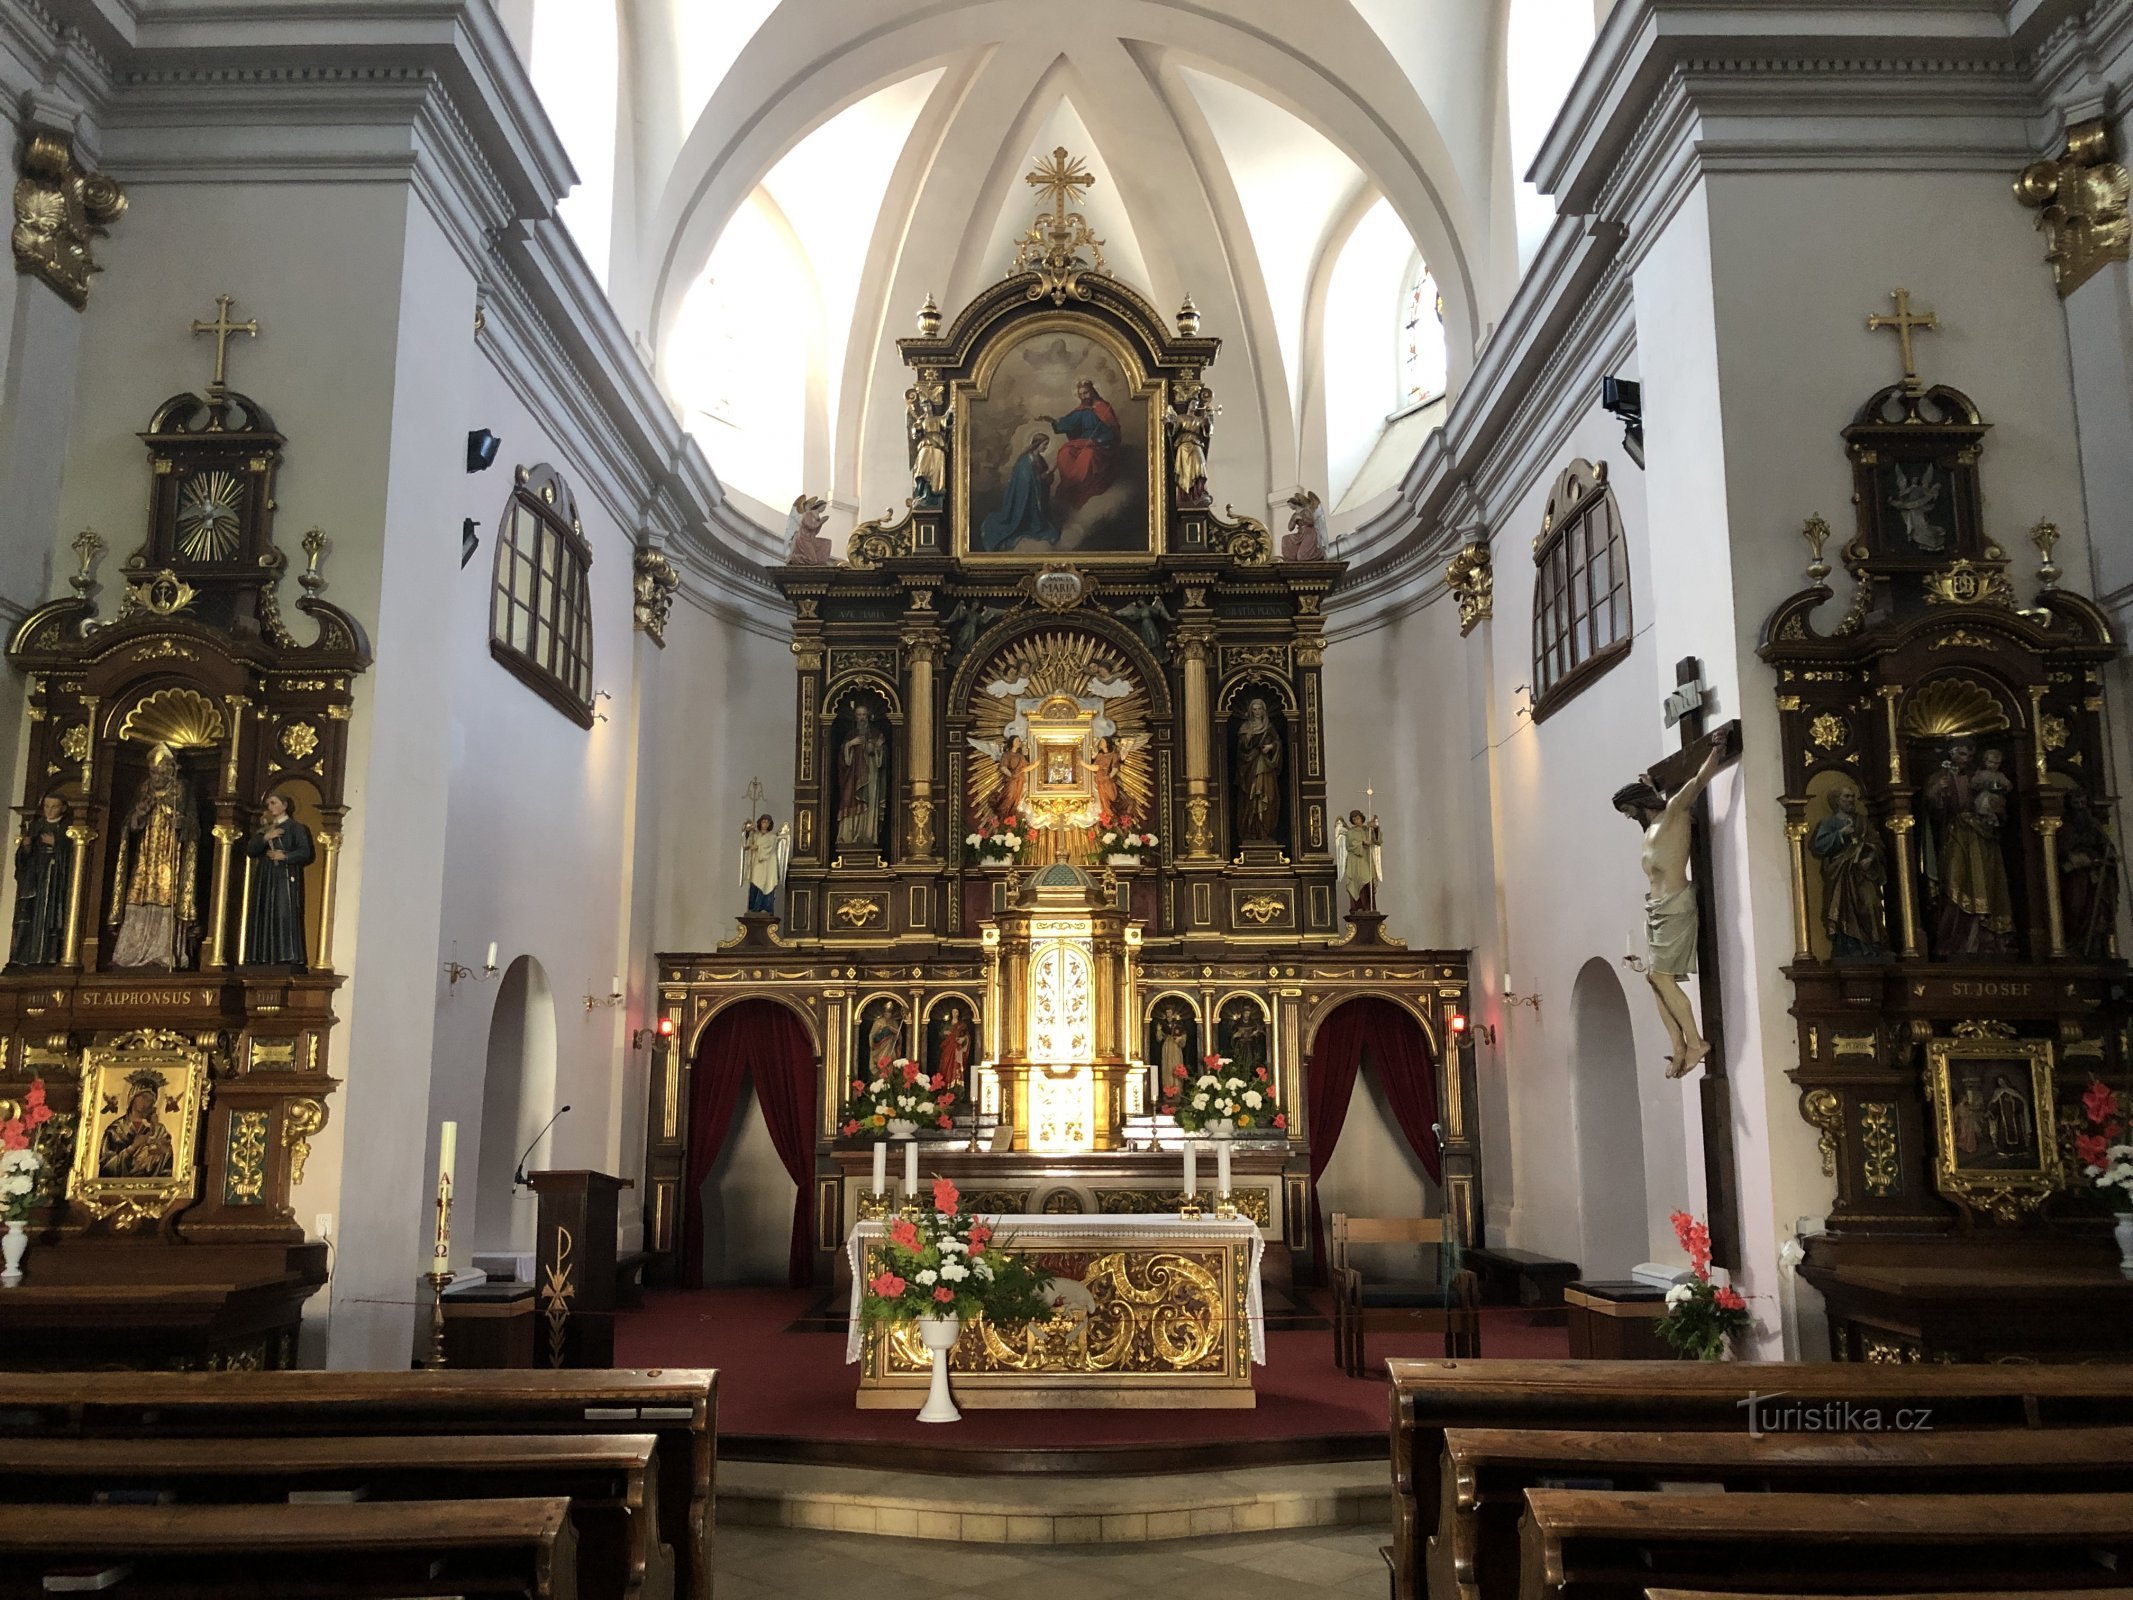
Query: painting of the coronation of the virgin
{"type": "Point", "coordinates": [1055, 452]}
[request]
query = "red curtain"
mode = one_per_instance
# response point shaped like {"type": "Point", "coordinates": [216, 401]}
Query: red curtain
{"type": "Point", "coordinates": [1400, 1052]}
{"type": "Point", "coordinates": [765, 1041]}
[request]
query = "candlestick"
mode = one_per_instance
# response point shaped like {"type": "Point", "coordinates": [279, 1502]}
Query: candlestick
{"type": "Point", "coordinates": [881, 1165]}
{"type": "Point", "coordinates": [910, 1169]}
{"type": "Point", "coordinates": [447, 1153]}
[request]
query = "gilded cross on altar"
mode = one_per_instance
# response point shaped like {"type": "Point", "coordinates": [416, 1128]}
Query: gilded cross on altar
{"type": "Point", "coordinates": [1061, 178]}
{"type": "Point", "coordinates": [1904, 321]}
{"type": "Point", "coordinates": [222, 328]}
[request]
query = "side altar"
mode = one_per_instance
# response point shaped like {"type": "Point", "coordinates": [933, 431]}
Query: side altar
{"type": "Point", "coordinates": [1062, 820]}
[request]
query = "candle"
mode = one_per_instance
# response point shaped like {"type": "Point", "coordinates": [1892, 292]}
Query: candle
{"type": "Point", "coordinates": [1507, 983]}
{"type": "Point", "coordinates": [881, 1165]}
{"type": "Point", "coordinates": [1221, 1167]}
{"type": "Point", "coordinates": [1192, 1169]}
{"type": "Point", "coordinates": [614, 984]}
{"type": "Point", "coordinates": [490, 964]}
{"type": "Point", "coordinates": [1629, 945]}
{"type": "Point", "coordinates": [447, 1152]}
{"type": "Point", "coordinates": [910, 1169]}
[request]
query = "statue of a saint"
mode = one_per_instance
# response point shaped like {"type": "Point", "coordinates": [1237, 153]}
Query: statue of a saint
{"type": "Point", "coordinates": [1966, 862]}
{"type": "Point", "coordinates": [154, 902]}
{"type": "Point", "coordinates": [1173, 1044]}
{"type": "Point", "coordinates": [1359, 859]}
{"type": "Point", "coordinates": [927, 422]}
{"type": "Point", "coordinates": [862, 781]}
{"type": "Point", "coordinates": [765, 849]}
{"type": "Point", "coordinates": [136, 1143]}
{"type": "Point", "coordinates": [1244, 1037]}
{"type": "Point", "coordinates": [280, 848]}
{"type": "Point", "coordinates": [1855, 872]}
{"type": "Point", "coordinates": [1670, 917]}
{"type": "Point", "coordinates": [951, 1062]}
{"type": "Point", "coordinates": [1190, 423]}
{"type": "Point", "coordinates": [2088, 879]}
{"type": "Point", "coordinates": [885, 1039]}
{"type": "Point", "coordinates": [1258, 776]}
{"type": "Point", "coordinates": [805, 545]}
{"type": "Point", "coordinates": [44, 880]}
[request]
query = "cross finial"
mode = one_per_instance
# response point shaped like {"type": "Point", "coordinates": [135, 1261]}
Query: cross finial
{"type": "Point", "coordinates": [1060, 178]}
{"type": "Point", "coordinates": [222, 328]}
{"type": "Point", "coordinates": [1904, 322]}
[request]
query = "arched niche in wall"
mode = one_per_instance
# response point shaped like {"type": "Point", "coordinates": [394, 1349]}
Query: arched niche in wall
{"type": "Point", "coordinates": [1608, 1112]}
{"type": "Point", "coordinates": [517, 1096]}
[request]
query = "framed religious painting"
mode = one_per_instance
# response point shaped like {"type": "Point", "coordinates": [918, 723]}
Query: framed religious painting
{"type": "Point", "coordinates": [142, 1096]}
{"type": "Point", "coordinates": [1995, 1135]}
{"type": "Point", "coordinates": [1056, 448]}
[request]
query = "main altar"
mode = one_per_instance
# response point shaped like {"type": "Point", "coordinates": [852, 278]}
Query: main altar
{"type": "Point", "coordinates": [1062, 820]}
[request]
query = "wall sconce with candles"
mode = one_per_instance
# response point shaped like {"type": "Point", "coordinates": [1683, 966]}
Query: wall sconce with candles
{"type": "Point", "coordinates": [1511, 999]}
{"type": "Point", "coordinates": [455, 970]}
{"type": "Point", "coordinates": [1464, 1029]}
{"type": "Point", "coordinates": [661, 1034]}
{"type": "Point", "coordinates": [614, 995]}
{"type": "Point", "coordinates": [598, 696]}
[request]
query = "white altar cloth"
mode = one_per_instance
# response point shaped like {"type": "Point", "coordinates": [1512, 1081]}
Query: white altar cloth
{"type": "Point", "coordinates": [1029, 1233]}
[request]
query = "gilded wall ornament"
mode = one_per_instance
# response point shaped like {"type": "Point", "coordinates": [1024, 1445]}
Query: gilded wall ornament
{"type": "Point", "coordinates": [1053, 245]}
{"type": "Point", "coordinates": [208, 508]}
{"type": "Point", "coordinates": [1969, 583]}
{"type": "Point", "coordinates": [244, 1181]}
{"type": "Point", "coordinates": [298, 740]}
{"type": "Point", "coordinates": [1824, 1112]}
{"type": "Point", "coordinates": [1828, 731]}
{"type": "Point", "coordinates": [1472, 579]}
{"type": "Point", "coordinates": [655, 583]}
{"type": "Point", "coordinates": [1877, 1143]}
{"type": "Point", "coordinates": [59, 209]}
{"type": "Point", "coordinates": [2080, 201]}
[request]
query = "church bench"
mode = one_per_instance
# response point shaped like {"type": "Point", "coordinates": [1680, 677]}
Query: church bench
{"type": "Point", "coordinates": [1428, 1396]}
{"type": "Point", "coordinates": [1581, 1544]}
{"type": "Point", "coordinates": [511, 1549]}
{"type": "Point", "coordinates": [1473, 1554]}
{"type": "Point", "coordinates": [608, 1479]}
{"type": "Point", "coordinates": [677, 1406]}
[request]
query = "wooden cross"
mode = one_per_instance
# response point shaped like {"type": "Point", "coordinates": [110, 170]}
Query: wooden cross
{"type": "Point", "coordinates": [1904, 322]}
{"type": "Point", "coordinates": [222, 328]}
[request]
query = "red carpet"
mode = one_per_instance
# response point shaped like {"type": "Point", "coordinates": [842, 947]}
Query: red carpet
{"type": "Point", "coordinates": [785, 1386]}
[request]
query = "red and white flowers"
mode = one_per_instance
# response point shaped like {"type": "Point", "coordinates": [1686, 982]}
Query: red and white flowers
{"type": "Point", "coordinates": [1117, 841]}
{"type": "Point", "coordinates": [1701, 1316]}
{"type": "Point", "coordinates": [1221, 1098]}
{"type": "Point", "coordinates": [997, 843]}
{"type": "Point", "coordinates": [2102, 1151]}
{"type": "Point", "coordinates": [19, 1160]}
{"type": "Point", "coordinates": [904, 1093]}
{"type": "Point", "coordinates": [943, 1263]}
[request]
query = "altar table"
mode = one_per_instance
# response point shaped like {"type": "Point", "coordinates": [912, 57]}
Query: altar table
{"type": "Point", "coordinates": [1154, 1311]}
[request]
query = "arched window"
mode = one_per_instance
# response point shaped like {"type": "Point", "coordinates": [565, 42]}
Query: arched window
{"type": "Point", "coordinates": [540, 619]}
{"type": "Point", "coordinates": [1581, 624]}
{"type": "Point", "coordinates": [1421, 338]}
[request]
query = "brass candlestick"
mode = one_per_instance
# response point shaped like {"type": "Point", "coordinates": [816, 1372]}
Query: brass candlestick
{"type": "Point", "coordinates": [1225, 1205]}
{"type": "Point", "coordinates": [1189, 1207]}
{"type": "Point", "coordinates": [873, 1204]}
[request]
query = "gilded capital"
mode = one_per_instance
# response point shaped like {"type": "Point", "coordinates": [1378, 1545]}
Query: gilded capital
{"type": "Point", "coordinates": [59, 209]}
{"type": "Point", "coordinates": [2080, 201]}
{"type": "Point", "coordinates": [655, 583]}
{"type": "Point", "coordinates": [1472, 581]}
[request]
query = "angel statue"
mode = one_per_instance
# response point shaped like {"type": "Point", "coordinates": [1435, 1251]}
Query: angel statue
{"type": "Point", "coordinates": [1359, 859]}
{"type": "Point", "coordinates": [1913, 499]}
{"type": "Point", "coordinates": [927, 424]}
{"type": "Point", "coordinates": [1014, 761]}
{"type": "Point", "coordinates": [1307, 525]}
{"type": "Point", "coordinates": [766, 849]}
{"type": "Point", "coordinates": [1189, 423]}
{"type": "Point", "coordinates": [1145, 617]}
{"type": "Point", "coordinates": [806, 547]}
{"type": "Point", "coordinates": [1107, 763]}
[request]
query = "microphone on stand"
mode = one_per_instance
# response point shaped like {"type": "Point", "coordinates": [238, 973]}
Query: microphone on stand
{"type": "Point", "coordinates": [518, 1178]}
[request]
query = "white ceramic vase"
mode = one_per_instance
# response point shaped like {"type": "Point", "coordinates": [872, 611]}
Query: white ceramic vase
{"type": "Point", "coordinates": [2122, 1231]}
{"type": "Point", "coordinates": [1220, 1128]}
{"type": "Point", "coordinates": [1122, 859]}
{"type": "Point", "coordinates": [940, 1335]}
{"type": "Point", "coordinates": [901, 1129]}
{"type": "Point", "coordinates": [12, 1246]}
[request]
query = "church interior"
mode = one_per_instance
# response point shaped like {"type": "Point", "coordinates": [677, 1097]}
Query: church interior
{"type": "Point", "coordinates": [779, 830]}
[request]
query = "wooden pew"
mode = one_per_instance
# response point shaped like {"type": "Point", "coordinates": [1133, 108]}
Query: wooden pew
{"type": "Point", "coordinates": [1579, 1544]}
{"type": "Point", "coordinates": [1474, 1552]}
{"type": "Point", "coordinates": [608, 1481]}
{"type": "Point", "coordinates": [503, 1548]}
{"type": "Point", "coordinates": [677, 1406]}
{"type": "Point", "coordinates": [1428, 1396]}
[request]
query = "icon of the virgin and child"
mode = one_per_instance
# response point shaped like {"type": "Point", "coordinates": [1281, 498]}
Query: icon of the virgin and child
{"type": "Point", "coordinates": [1069, 480]}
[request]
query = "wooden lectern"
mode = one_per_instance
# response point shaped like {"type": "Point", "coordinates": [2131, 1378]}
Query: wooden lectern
{"type": "Point", "coordinates": [574, 1270]}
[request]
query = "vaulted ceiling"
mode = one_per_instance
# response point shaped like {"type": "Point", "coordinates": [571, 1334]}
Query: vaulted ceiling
{"type": "Point", "coordinates": [770, 188]}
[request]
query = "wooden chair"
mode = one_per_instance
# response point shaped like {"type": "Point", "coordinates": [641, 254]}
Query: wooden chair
{"type": "Point", "coordinates": [1451, 1300]}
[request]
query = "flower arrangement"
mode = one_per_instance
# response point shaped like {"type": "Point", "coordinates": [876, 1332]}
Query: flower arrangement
{"type": "Point", "coordinates": [1123, 841]}
{"type": "Point", "coordinates": [1701, 1316]}
{"type": "Point", "coordinates": [19, 1161]}
{"type": "Point", "coordinates": [903, 1094]}
{"type": "Point", "coordinates": [1220, 1100]}
{"type": "Point", "coordinates": [944, 1263]}
{"type": "Point", "coordinates": [2102, 1150]}
{"type": "Point", "coordinates": [996, 843]}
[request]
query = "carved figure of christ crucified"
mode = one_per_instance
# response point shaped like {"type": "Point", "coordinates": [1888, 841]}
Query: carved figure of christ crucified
{"type": "Point", "coordinates": [1670, 914]}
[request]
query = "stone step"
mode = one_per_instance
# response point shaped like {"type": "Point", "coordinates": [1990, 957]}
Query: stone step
{"type": "Point", "coordinates": [1046, 1511]}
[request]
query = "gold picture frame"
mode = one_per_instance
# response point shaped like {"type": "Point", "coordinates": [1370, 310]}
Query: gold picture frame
{"type": "Point", "coordinates": [135, 1156]}
{"type": "Point", "coordinates": [1996, 1141]}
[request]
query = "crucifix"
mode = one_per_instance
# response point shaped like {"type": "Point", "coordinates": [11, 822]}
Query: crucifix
{"type": "Point", "coordinates": [1905, 322]}
{"type": "Point", "coordinates": [1685, 709]}
{"type": "Point", "coordinates": [222, 328]}
{"type": "Point", "coordinates": [1060, 178]}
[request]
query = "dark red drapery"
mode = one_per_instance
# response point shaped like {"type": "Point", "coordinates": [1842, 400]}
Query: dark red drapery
{"type": "Point", "coordinates": [763, 1040]}
{"type": "Point", "coordinates": [1400, 1052]}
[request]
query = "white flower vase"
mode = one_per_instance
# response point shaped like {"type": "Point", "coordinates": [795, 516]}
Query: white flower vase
{"type": "Point", "coordinates": [2122, 1231]}
{"type": "Point", "coordinates": [1220, 1128]}
{"type": "Point", "coordinates": [900, 1129]}
{"type": "Point", "coordinates": [1122, 859]}
{"type": "Point", "coordinates": [12, 1247]}
{"type": "Point", "coordinates": [940, 1336]}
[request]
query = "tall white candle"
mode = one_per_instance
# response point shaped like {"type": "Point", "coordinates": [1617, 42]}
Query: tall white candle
{"type": "Point", "coordinates": [881, 1165]}
{"type": "Point", "coordinates": [1192, 1168]}
{"type": "Point", "coordinates": [614, 984]}
{"type": "Point", "coordinates": [1221, 1166]}
{"type": "Point", "coordinates": [1507, 982]}
{"type": "Point", "coordinates": [490, 964]}
{"type": "Point", "coordinates": [910, 1169]}
{"type": "Point", "coordinates": [447, 1154]}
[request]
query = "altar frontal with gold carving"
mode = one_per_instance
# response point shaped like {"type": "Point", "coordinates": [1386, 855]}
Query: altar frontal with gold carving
{"type": "Point", "coordinates": [1161, 1311]}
